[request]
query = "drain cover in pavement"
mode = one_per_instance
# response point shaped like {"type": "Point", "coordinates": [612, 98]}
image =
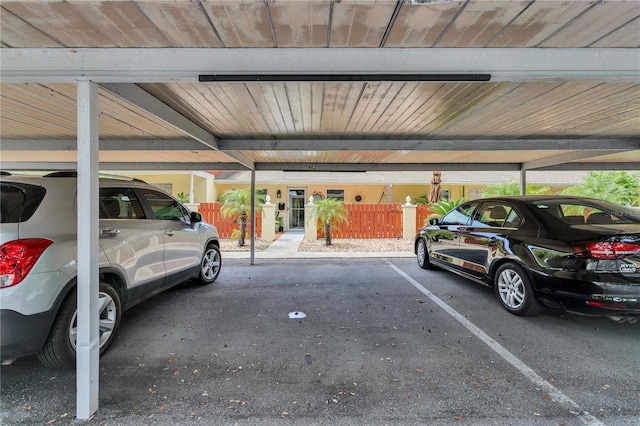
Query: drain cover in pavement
{"type": "Point", "coordinates": [296, 315]}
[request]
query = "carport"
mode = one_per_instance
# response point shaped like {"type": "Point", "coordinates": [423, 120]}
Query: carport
{"type": "Point", "coordinates": [320, 85]}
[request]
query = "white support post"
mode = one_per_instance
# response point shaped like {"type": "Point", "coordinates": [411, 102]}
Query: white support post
{"type": "Point", "coordinates": [253, 217]}
{"type": "Point", "coordinates": [191, 189]}
{"type": "Point", "coordinates": [310, 221]}
{"type": "Point", "coordinates": [409, 212]}
{"type": "Point", "coordinates": [87, 348]}
{"type": "Point", "coordinates": [523, 182]}
{"type": "Point", "coordinates": [268, 221]}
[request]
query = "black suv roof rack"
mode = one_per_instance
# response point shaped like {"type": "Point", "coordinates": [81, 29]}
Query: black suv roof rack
{"type": "Point", "coordinates": [64, 173]}
{"type": "Point", "coordinates": [73, 173]}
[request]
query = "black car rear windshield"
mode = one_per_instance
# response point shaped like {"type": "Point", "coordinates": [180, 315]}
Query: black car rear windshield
{"type": "Point", "coordinates": [19, 201]}
{"type": "Point", "coordinates": [576, 213]}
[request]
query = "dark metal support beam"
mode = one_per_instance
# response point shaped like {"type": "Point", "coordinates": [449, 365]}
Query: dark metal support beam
{"type": "Point", "coordinates": [322, 167]}
{"type": "Point", "coordinates": [428, 145]}
{"type": "Point", "coordinates": [334, 145]}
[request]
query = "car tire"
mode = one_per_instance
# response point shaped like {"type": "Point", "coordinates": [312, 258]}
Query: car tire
{"type": "Point", "coordinates": [210, 265]}
{"type": "Point", "coordinates": [59, 351]}
{"type": "Point", "coordinates": [515, 291]}
{"type": "Point", "coordinates": [422, 254]}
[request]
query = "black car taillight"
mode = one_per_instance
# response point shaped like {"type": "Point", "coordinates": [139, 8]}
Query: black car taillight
{"type": "Point", "coordinates": [17, 257]}
{"type": "Point", "coordinates": [606, 250]}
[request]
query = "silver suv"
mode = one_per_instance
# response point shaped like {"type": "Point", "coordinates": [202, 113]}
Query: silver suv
{"type": "Point", "coordinates": [149, 242]}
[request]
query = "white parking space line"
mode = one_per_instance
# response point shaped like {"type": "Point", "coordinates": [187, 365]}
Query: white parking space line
{"type": "Point", "coordinates": [536, 379]}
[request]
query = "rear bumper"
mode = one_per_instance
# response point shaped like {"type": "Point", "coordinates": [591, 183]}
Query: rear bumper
{"type": "Point", "coordinates": [594, 294]}
{"type": "Point", "coordinates": [22, 335]}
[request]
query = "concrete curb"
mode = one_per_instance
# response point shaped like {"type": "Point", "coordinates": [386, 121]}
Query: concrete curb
{"type": "Point", "coordinates": [314, 255]}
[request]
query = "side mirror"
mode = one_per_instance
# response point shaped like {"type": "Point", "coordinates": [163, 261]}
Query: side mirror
{"type": "Point", "coordinates": [196, 217]}
{"type": "Point", "coordinates": [434, 221]}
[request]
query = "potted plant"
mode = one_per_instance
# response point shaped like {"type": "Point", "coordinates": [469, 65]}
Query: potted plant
{"type": "Point", "coordinates": [280, 224]}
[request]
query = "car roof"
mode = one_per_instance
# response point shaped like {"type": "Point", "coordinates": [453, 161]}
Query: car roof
{"type": "Point", "coordinates": [547, 197]}
{"type": "Point", "coordinates": [68, 180]}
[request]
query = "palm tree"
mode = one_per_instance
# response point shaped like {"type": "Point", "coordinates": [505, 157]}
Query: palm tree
{"type": "Point", "coordinates": [422, 199]}
{"type": "Point", "coordinates": [443, 207]}
{"type": "Point", "coordinates": [615, 186]}
{"type": "Point", "coordinates": [329, 212]}
{"type": "Point", "coordinates": [511, 188]}
{"type": "Point", "coordinates": [236, 203]}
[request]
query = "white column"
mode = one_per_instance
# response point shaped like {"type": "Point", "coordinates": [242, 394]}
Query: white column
{"type": "Point", "coordinates": [88, 349]}
{"type": "Point", "coordinates": [409, 213]}
{"type": "Point", "coordinates": [523, 182]}
{"type": "Point", "coordinates": [191, 189]}
{"type": "Point", "coordinates": [268, 220]}
{"type": "Point", "coordinates": [310, 221]}
{"type": "Point", "coordinates": [252, 260]}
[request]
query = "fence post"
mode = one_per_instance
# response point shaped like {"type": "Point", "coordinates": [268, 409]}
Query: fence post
{"type": "Point", "coordinates": [268, 220]}
{"type": "Point", "coordinates": [310, 221]}
{"type": "Point", "coordinates": [408, 220]}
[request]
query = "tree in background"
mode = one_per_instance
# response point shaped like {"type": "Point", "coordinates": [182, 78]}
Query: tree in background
{"type": "Point", "coordinates": [443, 207]}
{"type": "Point", "coordinates": [511, 188]}
{"type": "Point", "coordinates": [421, 199]}
{"type": "Point", "coordinates": [236, 203]}
{"type": "Point", "coordinates": [616, 186]}
{"type": "Point", "coordinates": [329, 212]}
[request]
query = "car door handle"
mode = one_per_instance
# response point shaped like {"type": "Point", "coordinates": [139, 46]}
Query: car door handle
{"type": "Point", "coordinates": [109, 232]}
{"type": "Point", "coordinates": [168, 233]}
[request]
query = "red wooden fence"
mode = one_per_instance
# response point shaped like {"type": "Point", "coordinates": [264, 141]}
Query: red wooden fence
{"type": "Point", "coordinates": [363, 221]}
{"type": "Point", "coordinates": [211, 213]}
{"type": "Point", "coordinates": [422, 213]}
{"type": "Point", "coordinates": [369, 221]}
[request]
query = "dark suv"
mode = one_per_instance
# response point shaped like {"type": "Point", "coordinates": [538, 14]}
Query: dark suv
{"type": "Point", "coordinates": [149, 242]}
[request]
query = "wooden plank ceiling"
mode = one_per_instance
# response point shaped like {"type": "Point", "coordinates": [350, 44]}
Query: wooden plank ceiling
{"type": "Point", "coordinates": [511, 112]}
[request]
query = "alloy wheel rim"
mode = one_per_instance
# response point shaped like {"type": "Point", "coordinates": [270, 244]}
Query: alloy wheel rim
{"type": "Point", "coordinates": [511, 289]}
{"type": "Point", "coordinates": [108, 313]}
{"type": "Point", "coordinates": [210, 264]}
{"type": "Point", "coordinates": [422, 255]}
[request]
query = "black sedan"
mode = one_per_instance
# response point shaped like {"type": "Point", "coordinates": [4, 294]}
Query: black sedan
{"type": "Point", "coordinates": [573, 253]}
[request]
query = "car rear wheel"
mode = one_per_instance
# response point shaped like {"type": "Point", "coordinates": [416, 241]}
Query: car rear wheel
{"type": "Point", "coordinates": [515, 291]}
{"type": "Point", "coordinates": [422, 254]}
{"type": "Point", "coordinates": [59, 350]}
{"type": "Point", "coordinates": [210, 265]}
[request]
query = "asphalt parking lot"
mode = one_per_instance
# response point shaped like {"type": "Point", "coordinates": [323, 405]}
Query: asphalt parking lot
{"type": "Point", "coordinates": [343, 342]}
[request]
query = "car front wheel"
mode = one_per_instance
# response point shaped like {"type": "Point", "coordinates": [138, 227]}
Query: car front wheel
{"type": "Point", "coordinates": [59, 350]}
{"type": "Point", "coordinates": [515, 291]}
{"type": "Point", "coordinates": [210, 265]}
{"type": "Point", "coordinates": [422, 253]}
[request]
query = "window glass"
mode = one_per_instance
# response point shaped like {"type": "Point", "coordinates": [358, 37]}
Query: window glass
{"type": "Point", "coordinates": [336, 193]}
{"type": "Point", "coordinates": [19, 201]}
{"type": "Point", "coordinates": [165, 207]}
{"type": "Point", "coordinates": [459, 216]}
{"type": "Point", "coordinates": [573, 213]}
{"type": "Point", "coordinates": [513, 220]}
{"type": "Point", "coordinates": [497, 215]}
{"type": "Point", "coordinates": [120, 203]}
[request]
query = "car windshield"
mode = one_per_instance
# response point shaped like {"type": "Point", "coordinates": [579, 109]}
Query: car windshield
{"type": "Point", "coordinates": [573, 212]}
